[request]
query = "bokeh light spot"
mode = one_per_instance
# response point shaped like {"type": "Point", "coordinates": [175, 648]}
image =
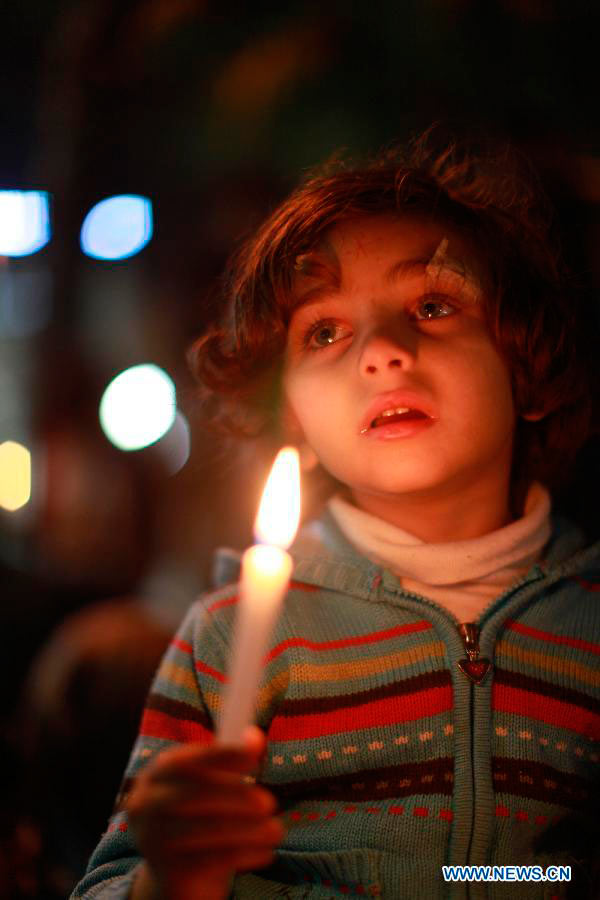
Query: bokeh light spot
{"type": "Point", "coordinates": [24, 222]}
{"type": "Point", "coordinates": [175, 446]}
{"type": "Point", "coordinates": [138, 407]}
{"type": "Point", "coordinates": [15, 475]}
{"type": "Point", "coordinates": [117, 227]}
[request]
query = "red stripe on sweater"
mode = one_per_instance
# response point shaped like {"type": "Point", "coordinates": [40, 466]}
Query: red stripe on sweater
{"type": "Point", "coordinates": [208, 670]}
{"type": "Point", "coordinates": [220, 604]}
{"type": "Point", "coordinates": [528, 631]}
{"type": "Point", "coordinates": [372, 638]}
{"type": "Point", "coordinates": [231, 601]}
{"type": "Point", "coordinates": [376, 714]}
{"type": "Point", "coordinates": [200, 666]}
{"type": "Point", "coordinates": [160, 725]}
{"type": "Point", "coordinates": [546, 709]}
{"type": "Point", "coordinates": [303, 586]}
{"type": "Point", "coordinates": [588, 585]}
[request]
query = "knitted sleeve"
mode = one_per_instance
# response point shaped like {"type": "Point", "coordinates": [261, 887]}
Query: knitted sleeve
{"type": "Point", "coordinates": [180, 707]}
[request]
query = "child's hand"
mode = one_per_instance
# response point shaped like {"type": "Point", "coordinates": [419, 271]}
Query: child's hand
{"type": "Point", "coordinates": [196, 821]}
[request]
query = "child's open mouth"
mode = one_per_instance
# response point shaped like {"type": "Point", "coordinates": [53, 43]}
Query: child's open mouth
{"type": "Point", "coordinates": [398, 414]}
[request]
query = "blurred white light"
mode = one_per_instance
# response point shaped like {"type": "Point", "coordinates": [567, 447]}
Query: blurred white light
{"type": "Point", "coordinates": [24, 222]}
{"type": "Point", "coordinates": [138, 407]}
{"type": "Point", "coordinates": [174, 446]}
{"type": "Point", "coordinates": [117, 227]}
{"type": "Point", "coordinates": [15, 475]}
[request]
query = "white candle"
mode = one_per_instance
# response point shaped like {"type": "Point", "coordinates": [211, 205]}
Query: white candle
{"type": "Point", "coordinates": [266, 571]}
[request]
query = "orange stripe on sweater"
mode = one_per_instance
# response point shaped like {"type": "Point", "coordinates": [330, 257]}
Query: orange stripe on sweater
{"type": "Point", "coordinates": [160, 725]}
{"type": "Point", "coordinates": [372, 638]}
{"type": "Point", "coordinates": [546, 709]}
{"type": "Point", "coordinates": [361, 668]}
{"type": "Point", "coordinates": [177, 675]}
{"type": "Point", "coordinates": [551, 661]}
{"type": "Point", "coordinates": [375, 714]}
{"type": "Point", "coordinates": [528, 631]}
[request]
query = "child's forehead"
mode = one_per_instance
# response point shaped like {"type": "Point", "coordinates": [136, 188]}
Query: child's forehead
{"type": "Point", "coordinates": [408, 245]}
{"type": "Point", "coordinates": [370, 235]}
{"type": "Point", "coordinates": [399, 231]}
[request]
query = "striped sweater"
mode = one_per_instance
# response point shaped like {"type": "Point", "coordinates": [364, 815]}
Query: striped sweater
{"type": "Point", "coordinates": [387, 761]}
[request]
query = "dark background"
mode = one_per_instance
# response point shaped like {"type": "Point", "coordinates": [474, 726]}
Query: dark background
{"type": "Point", "coordinates": [213, 111]}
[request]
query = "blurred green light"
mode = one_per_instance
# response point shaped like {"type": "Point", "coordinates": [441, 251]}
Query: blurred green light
{"type": "Point", "coordinates": [138, 407]}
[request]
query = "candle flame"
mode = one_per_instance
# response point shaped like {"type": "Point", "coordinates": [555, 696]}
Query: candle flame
{"type": "Point", "coordinates": [279, 511]}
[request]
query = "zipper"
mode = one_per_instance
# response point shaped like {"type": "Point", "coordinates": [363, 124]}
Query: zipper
{"type": "Point", "coordinates": [473, 666]}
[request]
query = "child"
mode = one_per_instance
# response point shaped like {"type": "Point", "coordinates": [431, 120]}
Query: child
{"type": "Point", "coordinates": [431, 695]}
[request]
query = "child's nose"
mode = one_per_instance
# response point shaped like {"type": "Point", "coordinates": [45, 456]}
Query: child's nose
{"type": "Point", "coordinates": [385, 351]}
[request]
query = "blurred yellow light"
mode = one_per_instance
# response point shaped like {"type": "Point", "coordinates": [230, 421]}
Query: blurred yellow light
{"type": "Point", "coordinates": [15, 475]}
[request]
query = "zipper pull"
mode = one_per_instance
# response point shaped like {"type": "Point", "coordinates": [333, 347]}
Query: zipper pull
{"type": "Point", "coordinates": [474, 667]}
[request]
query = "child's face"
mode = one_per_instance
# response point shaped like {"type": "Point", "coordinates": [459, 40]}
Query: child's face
{"type": "Point", "coordinates": [371, 336]}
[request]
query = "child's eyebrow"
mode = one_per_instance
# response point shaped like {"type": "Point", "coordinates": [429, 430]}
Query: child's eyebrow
{"type": "Point", "coordinates": [321, 266]}
{"type": "Point", "coordinates": [404, 268]}
{"type": "Point", "coordinates": [331, 283]}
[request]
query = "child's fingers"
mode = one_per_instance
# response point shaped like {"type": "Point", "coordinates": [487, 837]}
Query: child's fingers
{"type": "Point", "coordinates": [195, 778]}
{"type": "Point", "coordinates": [208, 836]}
{"type": "Point", "coordinates": [255, 741]}
{"type": "Point", "coordinates": [190, 759]}
{"type": "Point", "coordinates": [198, 777]}
{"type": "Point", "coordinates": [241, 860]}
{"type": "Point", "coordinates": [211, 878]}
{"type": "Point", "coordinates": [248, 860]}
{"type": "Point", "coordinates": [191, 805]}
{"type": "Point", "coordinates": [200, 844]}
{"type": "Point", "coordinates": [249, 801]}
{"type": "Point", "coordinates": [242, 799]}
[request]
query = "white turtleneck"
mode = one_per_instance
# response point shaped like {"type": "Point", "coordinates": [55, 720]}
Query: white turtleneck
{"type": "Point", "coordinates": [463, 576]}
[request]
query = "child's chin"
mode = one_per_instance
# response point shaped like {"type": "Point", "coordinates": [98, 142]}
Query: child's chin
{"type": "Point", "coordinates": [398, 487]}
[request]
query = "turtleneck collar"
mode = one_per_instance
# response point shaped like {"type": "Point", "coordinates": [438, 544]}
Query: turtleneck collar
{"type": "Point", "coordinates": [462, 575]}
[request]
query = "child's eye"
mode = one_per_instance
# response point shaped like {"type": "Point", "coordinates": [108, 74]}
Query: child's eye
{"type": "Point", "coordinates": [432, 307]}
{"type": "Point", "coordinates": [324, 333]}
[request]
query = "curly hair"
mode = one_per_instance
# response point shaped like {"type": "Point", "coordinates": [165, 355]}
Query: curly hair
{"type": "Point", "coordinates": [484, 191]}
